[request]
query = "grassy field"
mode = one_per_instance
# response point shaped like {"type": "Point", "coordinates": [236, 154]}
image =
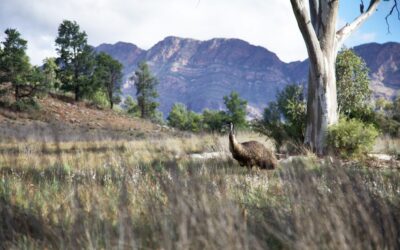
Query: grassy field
{"type": "Point", "coordinates": [151, 194]}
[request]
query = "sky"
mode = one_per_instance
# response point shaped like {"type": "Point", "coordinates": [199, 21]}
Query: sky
{"type": "Point", "coordinates": [267, 23]}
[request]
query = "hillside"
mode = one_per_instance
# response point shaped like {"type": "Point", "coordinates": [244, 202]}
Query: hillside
{"type": "Point", "coordinates": [60, 118]}
{"type": "Point", "coordinates": [199, 73]}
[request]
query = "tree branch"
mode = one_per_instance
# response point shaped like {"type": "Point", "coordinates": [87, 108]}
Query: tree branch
{"type": "Point", "coordinates": [307, 30]}
{"type": "Point", "coordinates": [345, 31]}
{"type": "Point", "coordinates": [314, 10]}
{"type": "Point", "coordinates": [394, 7]}
{"type": "Point", "coordinates": [331, 7]}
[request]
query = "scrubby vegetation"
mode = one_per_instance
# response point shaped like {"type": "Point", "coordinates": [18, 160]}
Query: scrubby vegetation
{"type": "Point", "coordinates": [152, 194]}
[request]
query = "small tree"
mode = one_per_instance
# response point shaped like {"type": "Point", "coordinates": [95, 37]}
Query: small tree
{"type": "Point", "coordinates": [236, 112]}
{"type": "Point", "coordinates": [146, 91]}
{"type": "Point", "coordinates": [108, 74]}
{"type": "Point", "coordinates": [50, 69]}
{"type": "Point", "coordinates": [352, 85]}
{"type": "Point", "coordinates": [14, 63]}
{"type": "Point", "coordinates": [75, 59]}
{"type": "Point", "coordinates": [285, 119]}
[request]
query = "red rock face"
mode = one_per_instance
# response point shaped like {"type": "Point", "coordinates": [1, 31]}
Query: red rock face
{"type": "Point", "coordinates": [200, 73]}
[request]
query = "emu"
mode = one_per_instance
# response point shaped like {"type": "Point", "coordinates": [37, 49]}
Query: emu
{"type": "Point", "coordinates": [251, 153]}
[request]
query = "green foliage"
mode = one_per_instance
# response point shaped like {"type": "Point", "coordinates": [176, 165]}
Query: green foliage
{"type": "Point", "coordinates": [183, 119]}
{"type": "Point", "coordinates": [387, 124]}
{"type": "Point", "coordinates": [351, 138]}
{"type": "Point", "coordinates": [26, 105]}
{"type": "Point", "coordinates": [236, 109]}
{"type": "Point", "coordinates": [387, 116]}
{"type": "Point", "coordinates": [131, 106]}
{"type": "Point", "coordinates": [14, 63]}
{"type": "Point", "coordinates": [353, 91]}
{"type": "Point", "coordinates": [146, 91]}
{"type": "Point", "coordinates": [108, 74]}
{"type": "Point", "coordinates": [284, 119]}
{"type": "Point", "coordinates": [384, 106]}
{"type": "Point", "coordinates": [36, 83]}
{"type": "Point", "coordinates": [76, 60]}
{"type": "Point", "coordinates": [214, 121]}
{"type": "Point", "coordinates": [99, 98]}
{"type": "Point", "coordinates": [396, 109]}
{"type": "Point", "coordinates": [50, 69]}
{"type": "Point", "coordinates": [158, 117]}
{"type": "Point", "coordinates": [15, 68]}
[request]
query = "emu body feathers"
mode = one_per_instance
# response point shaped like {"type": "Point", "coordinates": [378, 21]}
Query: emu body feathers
{"type": "Point", "coordinates": [251, 153]}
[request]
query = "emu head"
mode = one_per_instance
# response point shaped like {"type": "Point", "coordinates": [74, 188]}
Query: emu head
{"type": "Point", "coordinates": [231, 128]}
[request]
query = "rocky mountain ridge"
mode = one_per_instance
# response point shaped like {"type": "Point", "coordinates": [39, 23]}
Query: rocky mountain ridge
{"type": "Point", "coordinates": [199, 73]}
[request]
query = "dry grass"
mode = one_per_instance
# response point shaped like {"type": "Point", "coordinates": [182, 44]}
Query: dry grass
{"type": "Point", "coordinates": [148, 194]}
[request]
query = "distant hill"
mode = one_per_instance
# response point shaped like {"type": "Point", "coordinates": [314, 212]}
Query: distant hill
{"type": "Point", "coordinates": [199, 73]}
{"type": "Point", "coordinates": [383, 61]}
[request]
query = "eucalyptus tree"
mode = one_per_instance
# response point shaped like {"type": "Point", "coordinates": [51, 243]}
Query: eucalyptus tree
{"type": "Point", "coordinates": [317, 20]}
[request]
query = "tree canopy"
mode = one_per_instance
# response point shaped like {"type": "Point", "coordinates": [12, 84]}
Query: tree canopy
{"type": "Point", "coordinates": [236, 109]}
{"type": "Point", "coordinates": [353, 89]}
{"type": "Point", "coordinates": [14, 63]}
{"type": "Point", "coordinates": [76, 60]}
{"type": "Point", "coordinates": [108, 74]}
{"type": "Point", "coordinates": [146, 91]}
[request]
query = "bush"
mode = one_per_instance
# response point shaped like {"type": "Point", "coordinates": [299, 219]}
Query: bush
{"type": "Point", "coordinates": [131, 107]}
{"type": "Point", "coordinates": [351, 138]}
{"type": "Point", "coordinates": [183, 119]}
{"type": "Point", "coordinates": [26, 105]}
{"type": "Point", "coordinates": [99, 98]}
{"type": "Point", "coordinates": [158, 117]}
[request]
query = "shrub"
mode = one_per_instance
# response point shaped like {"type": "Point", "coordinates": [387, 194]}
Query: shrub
{"type": "Point", "coordinates": [131, 107]}
{"type": "Point", "coordinates": [99, 98]}
{"type": "Point", "coordinates": [351, 138]}
{"type": "Point", "coordinates": [26, 105]}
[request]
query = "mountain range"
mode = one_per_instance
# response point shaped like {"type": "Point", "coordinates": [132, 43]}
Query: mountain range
{"type": "Point", "coordinates": [199, 73]}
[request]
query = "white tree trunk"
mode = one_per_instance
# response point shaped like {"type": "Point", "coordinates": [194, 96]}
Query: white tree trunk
{"type": "Point", "coordinates": [321, 103]}
{"type": "Point", "coordinates": [317, 24]}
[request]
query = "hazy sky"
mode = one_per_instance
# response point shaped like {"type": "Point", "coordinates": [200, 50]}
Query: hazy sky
{"type": "Point", "coordinates": [269, 23]}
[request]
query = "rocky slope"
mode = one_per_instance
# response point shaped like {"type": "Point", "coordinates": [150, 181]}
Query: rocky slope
{"type": "Point", "coordinates": [200, 73]}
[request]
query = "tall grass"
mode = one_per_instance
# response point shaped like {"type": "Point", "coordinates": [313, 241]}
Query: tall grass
{"type": "Point", "coordinates": [150, 195]}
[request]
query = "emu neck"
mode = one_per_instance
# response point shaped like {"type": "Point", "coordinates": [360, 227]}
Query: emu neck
{"type": "Point", "coordinates": [233, 143]}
